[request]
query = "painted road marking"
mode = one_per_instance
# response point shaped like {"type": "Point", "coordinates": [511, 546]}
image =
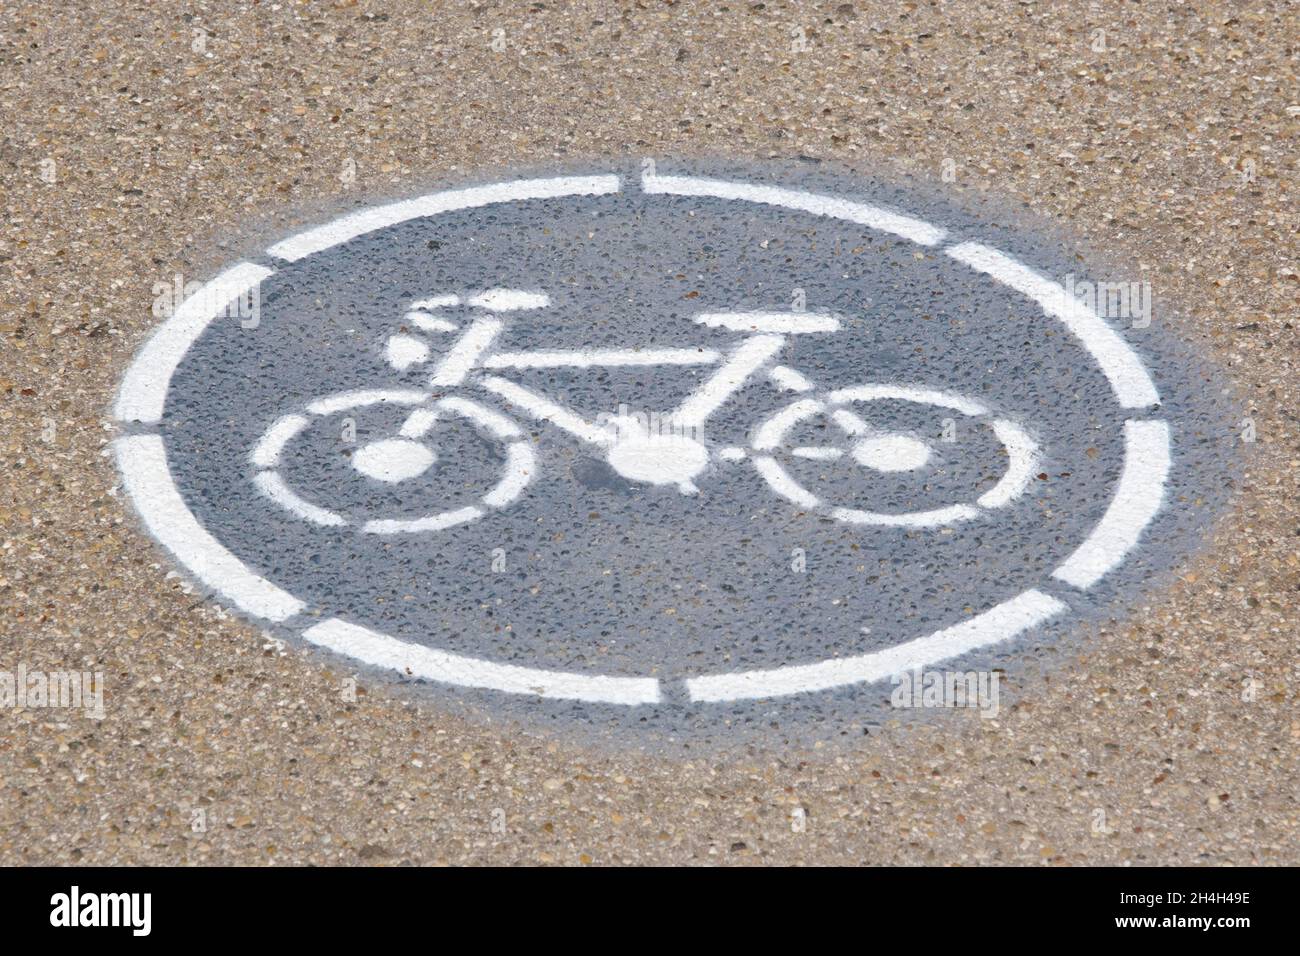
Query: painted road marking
{"type": "Point", "coordinates": [509, 300]}
{"type": "Point", "coordinates": [267, 452]}
{"type": "Point", "coordinates": [409, 659]}
{"type": "Point", "coordinates": [142, 461]}
{"type": "Point", "coordinates": [995, 625]}
{"type": "Point", "coordinates": [1128, 376]}
{"type": "Point", "coordinates": [369, 220]}
{"type": "Point", "coordinates": [543, 409]}
{"type": "Point", "coordinates": [903, 393]}
{"type": "Point", "coordinates": [273, 486]}
{"type": "Point", "coordinates": [143, 392]}
{"type": "Point", "coordinates": [871, 216]}
{"type": "Point", "coordinates": [817, 454]}
{"type": "Point", "coordinates": [465, 354]}
{"type": "Point", "coordinates": [1138, 497]}
{"type": "Point", "coordinates": [391, 460]}
{"type": "Point", "coordinates": [434, 522]}
{"type": "Point", "coordinates": [889, 453]}
{"type": "Point", "coordinates": [1022, 459]}
{"type": "Point", "coordinates": [597, 358]}
{"type": "Point", "coordinates": [497, 424]}
{"type": "Point", "coordinates": [467, 329]}
{"type": "Point", "coordinates": [735, 370]}
{"type": "Point", "coordinates": [790, 379]}
{"type": "Point", "coordinates": [332, 404]}
{"type": "Point", "coordinates": [403, 351]}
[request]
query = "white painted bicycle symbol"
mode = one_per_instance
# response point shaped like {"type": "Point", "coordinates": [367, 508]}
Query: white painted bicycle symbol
{"type": "Point", "coordinates": [436, 440]}
{"type": "Point", "coordinates": [675, 456]}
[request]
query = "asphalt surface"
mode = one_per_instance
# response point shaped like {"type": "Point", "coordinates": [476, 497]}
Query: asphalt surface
{"type": "Point", "coordinates": [138, 147]}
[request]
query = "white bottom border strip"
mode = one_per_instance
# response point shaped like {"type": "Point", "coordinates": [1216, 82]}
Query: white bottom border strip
{"type": "Point", "coordinates": [998, 624]}
{"type": "Point", "coordinates": [1138, 497]}
{"type": "Point", "coordinates": [413, 660]}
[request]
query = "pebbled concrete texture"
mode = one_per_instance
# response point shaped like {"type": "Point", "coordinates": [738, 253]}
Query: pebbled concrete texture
{"type": "Point", "coordinates": [1166, 154]}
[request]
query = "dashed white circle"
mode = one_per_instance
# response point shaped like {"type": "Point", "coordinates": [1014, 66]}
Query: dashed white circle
{"type": "Point", "coordinates": [142, 458]}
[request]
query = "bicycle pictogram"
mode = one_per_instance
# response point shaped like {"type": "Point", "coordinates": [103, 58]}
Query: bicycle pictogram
{"type": "Point", "coordinates": [473, 364]}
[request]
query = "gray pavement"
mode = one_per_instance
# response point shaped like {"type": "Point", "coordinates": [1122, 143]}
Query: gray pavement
{"type": "Point", "coordinates": [1155, 725]}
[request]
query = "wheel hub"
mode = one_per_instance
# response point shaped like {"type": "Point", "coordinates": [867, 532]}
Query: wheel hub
{"type": "Point", "coordinates": [660, 460]}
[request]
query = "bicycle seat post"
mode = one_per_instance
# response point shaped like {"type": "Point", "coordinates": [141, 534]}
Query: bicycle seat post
{"type": "Point", "coordinates": [465, 353]}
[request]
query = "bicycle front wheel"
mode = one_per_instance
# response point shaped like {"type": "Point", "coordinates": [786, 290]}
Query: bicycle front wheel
{"type": "Point", "coordinates": [392, 461]}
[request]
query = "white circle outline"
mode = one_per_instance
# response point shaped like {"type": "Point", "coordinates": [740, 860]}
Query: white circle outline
{"type": "Point", "coordinates": [142, 462]}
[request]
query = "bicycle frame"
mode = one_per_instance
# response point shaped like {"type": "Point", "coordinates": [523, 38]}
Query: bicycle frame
{"type": "Point", "coordinates": [635, 452]}
{"type": "Point", "coordinates": [769, 333]}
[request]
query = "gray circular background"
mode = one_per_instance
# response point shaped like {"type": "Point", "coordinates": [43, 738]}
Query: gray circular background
{"type": "Point", "coordinates": [605, 576]}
